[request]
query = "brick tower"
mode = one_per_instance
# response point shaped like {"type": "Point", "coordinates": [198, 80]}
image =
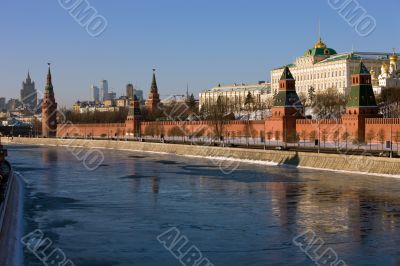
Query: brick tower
{"type": "Point", "coordinates": [286, 110]}
{"type": "Point", "coordinates": [153, 100]}
{"type": "Point", "coordinates": [49, 110]}
{"type": "Point", "coordinates": [132, 123]}
{"type": "Point", "coordinates": [361, 103]}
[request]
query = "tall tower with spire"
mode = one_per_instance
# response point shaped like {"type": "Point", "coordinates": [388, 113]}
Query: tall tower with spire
{"type": "Point", "coordinates": [153, 100]}
{"type": "Point", "coordinates": [29, 94]}
{"type": "Point", "coordinates": [49, 109]}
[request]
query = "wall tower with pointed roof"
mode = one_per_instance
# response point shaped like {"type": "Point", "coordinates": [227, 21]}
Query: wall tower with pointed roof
{"type": "Point", "coordinates": [49, 109]}
{"type": "Point", "coordinates": [361, 103]}
{"type": "Point", "coordinates": [153, 100]}
{"type": "Point", "coordinates": [286, 110]}
{"type": "Point", "coordinates": [134, 118]}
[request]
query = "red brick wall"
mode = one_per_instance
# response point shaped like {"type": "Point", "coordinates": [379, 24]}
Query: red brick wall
{"type": "Point", "coordinates": [380, 129]}
{"type": "Point", "coordinates": [326, 129]}
{"type": "Point", "coordinates": [331, 130]}
{"type": "Point", "coordinates": [82, 130]}
{"type": "Point", "coordinates": [203, 128]}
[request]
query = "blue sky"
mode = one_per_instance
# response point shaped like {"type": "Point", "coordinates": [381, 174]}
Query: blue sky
{"type": "Point", "coordinates": [202, 43]}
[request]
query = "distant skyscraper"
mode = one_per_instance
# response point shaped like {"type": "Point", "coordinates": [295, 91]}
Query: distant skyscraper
{"type": "Point", "coordinates": [13, 105]}
{"type": "Point", "coordinates": [95, 93]}
{"type": "Point", "coordinates": [29, 94]}
{"type": "Point", "coordinates": [111, 96]}
{"type": "Point", "coordinates": [104, 90]}
{"type": "Point", "coordinates": [139, 95]}
{"type": "Point", "coordinates": [130, 91]}
{"type": "Point", "coordinates": [2, 104]}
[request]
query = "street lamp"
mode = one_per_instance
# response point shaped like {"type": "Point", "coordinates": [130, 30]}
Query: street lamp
{"type": "Point", "coordinates": [265, 139]}
{"type": "Point", "coordinates": [319, 135]}
{"type": "Point", "coordinates": [285, 133]}
{"type": "Point", "coordinates": [391, 140]}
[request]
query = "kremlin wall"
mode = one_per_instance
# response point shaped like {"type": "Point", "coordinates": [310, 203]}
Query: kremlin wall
{"type": "Point", "coordinates": [361, 124]}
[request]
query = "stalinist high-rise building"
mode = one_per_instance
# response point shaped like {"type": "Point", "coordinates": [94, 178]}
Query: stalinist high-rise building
{"type": "Point", "coordinates": [49, 110]}
{"type": "Point", "coordinates": [29, 94]}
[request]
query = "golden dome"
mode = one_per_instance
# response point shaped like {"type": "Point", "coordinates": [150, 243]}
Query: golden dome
{"type": "Point", "coordinates": [385, 68]}
{"type": "Point", "coordinates": [393, 57]}
{"type": "Point", "coordinates": [373, 73]}
{"type": "Point", "coordinates": [320, 44]}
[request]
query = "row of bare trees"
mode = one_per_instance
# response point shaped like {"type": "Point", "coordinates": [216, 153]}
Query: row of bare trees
{"type": "Point", "coordinates": [95, 117]}
{"type": "Point", "coordinates": [389, 102]}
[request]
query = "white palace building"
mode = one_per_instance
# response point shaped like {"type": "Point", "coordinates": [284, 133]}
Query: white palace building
{"type": "Point", "coordinates": [322, 68]}
{"type": "Point", "coordinates": [235, 95]}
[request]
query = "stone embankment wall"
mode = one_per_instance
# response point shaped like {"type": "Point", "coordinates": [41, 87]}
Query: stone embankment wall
{"type": "Point", "coordinates": [337, 162]}
{"type": "Point", "coordinates": [12, 224]}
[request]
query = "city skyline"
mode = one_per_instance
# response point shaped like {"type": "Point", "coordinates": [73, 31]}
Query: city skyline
{"type": "Point", "coordinates": [199, 133]}
{"type": "Point", "coordinates": [223, 48]}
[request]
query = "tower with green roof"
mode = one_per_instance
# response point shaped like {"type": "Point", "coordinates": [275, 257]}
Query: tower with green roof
{"type": "Point", "coordinates": [286, 110]}
{"type": "Point", "coordinates": [361, 103]}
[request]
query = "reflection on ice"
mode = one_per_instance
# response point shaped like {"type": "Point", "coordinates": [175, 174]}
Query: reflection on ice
{"type": "Point", "coordinates": [113, 215]}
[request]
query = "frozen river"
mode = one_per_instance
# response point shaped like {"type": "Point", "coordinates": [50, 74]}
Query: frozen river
{"type": "Point", "coordinates": [252, 216]}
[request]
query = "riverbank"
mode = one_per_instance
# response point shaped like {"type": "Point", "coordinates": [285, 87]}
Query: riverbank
{"type": "Point", "coordinates": [332, 162]}
{"type": "Point", "coordinates": [11, 224]}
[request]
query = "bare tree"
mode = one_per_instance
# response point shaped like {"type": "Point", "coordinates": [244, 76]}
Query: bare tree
{"type": "Point", "coordinates": [277, 136]}
{"type": "Point", "coordinates": [397, 139]}
{"type": "Point", "coordinates": [381, 137]}
{"type": "Point", "coordinates": [370, 137]}
{"type": "Point", "coordinates": [329, 104]}
{"type": "Point", "coordinates": [324, 136]}
{"type": "Point", "coordinates": [346, 137]}
{"type": "Point", "coordinates": [217, 114]}
{"type": "Point", "coordinates": [303, 98]}
{"type": "Point", "coordinates": [389, 102]}
{"type": "Point", "coordinates": [313, 135]}
{"type": "Point", "coordinates": [269, 137]}
{"type": "Point", "coordinates": [303, 136]}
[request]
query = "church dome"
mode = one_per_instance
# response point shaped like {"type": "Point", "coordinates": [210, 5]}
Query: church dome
{"type": "Point", "coordinates": [320, 44]}
{"type": "Point", "coordinates": [394, 57]}
{"type": "Point", "coordinates": [320, 49]}
{"type": "Point", "coordinates": [385, 68]}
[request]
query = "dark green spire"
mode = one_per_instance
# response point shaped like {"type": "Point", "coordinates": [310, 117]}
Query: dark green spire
{"type": "Point", "coordinates": [287, 96]}
{"type": "Point", "coordinates": [361, 69]}
{"type": "Point", "coordinates": [154, 87]}
{"type": "Point", "coordinates": [361, 92]}
{"type": "Point", "coordinates": [49, 84]}
{"type": "Point", "coordinates": [286, 74]}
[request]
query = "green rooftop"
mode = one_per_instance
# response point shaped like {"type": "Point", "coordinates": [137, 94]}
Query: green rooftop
{"type": "Point", "coordinates": [286, 74]}
{"type": "Point", "coordinates": [361, 69]}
